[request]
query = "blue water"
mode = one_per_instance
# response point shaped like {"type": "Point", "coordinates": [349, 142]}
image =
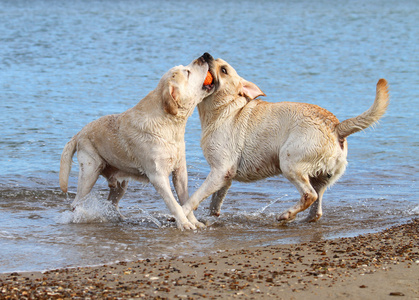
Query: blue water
{"type": "Point", "coordinates": [66, 63]}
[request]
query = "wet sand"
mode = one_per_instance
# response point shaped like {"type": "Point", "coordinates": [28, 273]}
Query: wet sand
{"type": "Point", "coordinates": [382, 265]}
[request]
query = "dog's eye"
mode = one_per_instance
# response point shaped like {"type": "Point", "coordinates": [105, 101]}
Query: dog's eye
{"type": "Point", "coordinates": [224, 70]}
{"type": "Point", "coordinates": [188, 72]}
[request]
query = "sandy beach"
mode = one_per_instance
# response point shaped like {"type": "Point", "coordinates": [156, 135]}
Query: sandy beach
{"type": "Point", "coordinates": [382, 265]}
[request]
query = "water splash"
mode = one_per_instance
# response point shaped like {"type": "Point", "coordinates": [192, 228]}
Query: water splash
{"type": "Point", "coordinates": [415, 210]}
{"type": "Point", "coordinates": [149, 217]}
{"type": "Point", "coordinates": [92, 209]}
{"type": "Point", "coordinates": [261, 210]}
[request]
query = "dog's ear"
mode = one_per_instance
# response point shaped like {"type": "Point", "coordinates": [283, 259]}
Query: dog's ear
{"type": "Point", "coordinates": [250, 90]}
{"type": "Point", "coordinates": [170, 99]}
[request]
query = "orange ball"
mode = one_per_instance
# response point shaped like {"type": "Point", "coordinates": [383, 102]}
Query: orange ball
{"type": "Point", "coordinates": [208, 79]}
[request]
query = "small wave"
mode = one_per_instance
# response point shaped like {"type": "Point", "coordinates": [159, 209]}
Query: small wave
{"type": "Point", "coordinates": [93, 209]}
{"type": "Point", "coordinates": [415, 210]}
{"type": "Point", "coordinates": [7, 235]}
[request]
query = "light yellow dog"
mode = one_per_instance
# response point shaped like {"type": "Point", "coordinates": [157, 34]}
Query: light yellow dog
{"type": "Point", "coordinates": [247, 140]}
{"type": "Point", "coordinates": [144, 143]}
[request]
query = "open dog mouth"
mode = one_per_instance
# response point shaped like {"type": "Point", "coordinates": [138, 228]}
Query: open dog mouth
{"type": "Point", "coordinates": [208, 82]}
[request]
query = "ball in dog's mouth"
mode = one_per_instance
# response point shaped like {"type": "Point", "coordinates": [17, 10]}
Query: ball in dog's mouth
{"type": "Point", "coordinates": [208, 82]}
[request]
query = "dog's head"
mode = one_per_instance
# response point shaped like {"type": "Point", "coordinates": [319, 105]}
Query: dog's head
{"type": "Point", "coordinates": [183, 86]}
{"type": "Point", "coordinates": [229, 84]}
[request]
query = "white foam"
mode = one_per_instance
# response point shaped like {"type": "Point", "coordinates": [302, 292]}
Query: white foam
{"type": "Point", "coordinates": [415, 210]}
{"type": "Point", "coordinates": [92, 209]}
{"type": "Point", "coordinates": [151, 218]}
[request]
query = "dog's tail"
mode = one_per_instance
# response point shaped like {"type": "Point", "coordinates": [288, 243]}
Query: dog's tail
{"type": "Point", "coordinates": [369, 117]}
{"type": "Point", "coordinates": [65, 163]}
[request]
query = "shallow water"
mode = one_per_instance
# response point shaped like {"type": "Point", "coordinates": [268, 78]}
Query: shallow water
{"type": "Point", "coordinates": [64, 64]}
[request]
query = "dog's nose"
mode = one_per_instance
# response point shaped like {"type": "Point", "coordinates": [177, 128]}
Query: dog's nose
{"type": "Point", "coordinates": [207, 57]}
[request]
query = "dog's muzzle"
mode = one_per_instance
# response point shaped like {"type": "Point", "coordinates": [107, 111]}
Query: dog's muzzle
{"type": "Point", "coordinates": [207, 57]}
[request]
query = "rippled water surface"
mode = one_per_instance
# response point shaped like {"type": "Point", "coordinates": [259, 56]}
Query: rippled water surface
{"type": "Point", "coordinates": [66, 63]}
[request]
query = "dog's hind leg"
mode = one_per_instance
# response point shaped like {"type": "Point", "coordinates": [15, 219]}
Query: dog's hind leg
{"type": "Point", "coordinates": [117, 191]}
{"type": "Point", "coordinates": [316, 211]}
{"type": "Point", "coordinates": [320, 184]}
{"type": "Point", "coordinates": [90, 169]}
{"type": "Point", "coordinates": [217, 200]}
{"type": "Point", "coordinates": [307, 192]}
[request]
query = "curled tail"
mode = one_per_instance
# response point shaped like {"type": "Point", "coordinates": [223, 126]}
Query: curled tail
{"type": "Point", "coordinates": [65, 163]}
{"type": "Point", "coordinates": [369, 117]}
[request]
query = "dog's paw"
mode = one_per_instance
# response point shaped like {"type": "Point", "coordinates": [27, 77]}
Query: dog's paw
{"type": "Point", "coordinates": [192, 219]}
{"type": "Point", "coordinates": [315, 218]}
{"type": "Point", "coordinates": [186, 226]}
{"type": "Point", "coordinates": [286, 217]}
{"type": "Point", "coordinates": [200, 225]}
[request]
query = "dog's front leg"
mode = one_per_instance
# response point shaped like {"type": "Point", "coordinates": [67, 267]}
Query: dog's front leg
{"type": "Point", "coordinates": [214, 182]}
{"type": "Point", "coordinates": [162, 185]}
{"type": "Point", "coordinates": [180, 182]}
